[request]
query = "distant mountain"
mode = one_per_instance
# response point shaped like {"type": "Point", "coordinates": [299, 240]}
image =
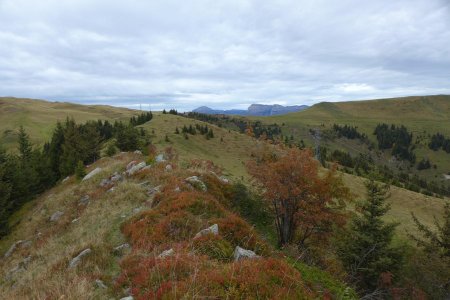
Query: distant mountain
{"type": "Point", "coordinates": [254, 110]}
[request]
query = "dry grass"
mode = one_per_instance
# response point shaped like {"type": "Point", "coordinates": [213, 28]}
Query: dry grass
{"type": "Point", "coordinates": [98, 228]}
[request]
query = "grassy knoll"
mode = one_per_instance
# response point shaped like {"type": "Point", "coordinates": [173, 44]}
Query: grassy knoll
{"type": "Point", "coordinates": [39, 117]}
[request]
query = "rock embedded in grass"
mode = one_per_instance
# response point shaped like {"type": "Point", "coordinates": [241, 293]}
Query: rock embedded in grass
{"type": "Point", "coordinates": [197, 183]}
{"type": "Point", "coordinates": [84, 200]}
{"type": "Point", "coordinates": [166, 253]}
{"type": "Point", "coordinates": [77, 259]}
{"type": "Point", "coordinates": [56, 216]}
{"type": "Point", "coordinates": [136, 168]}
{"type": "Point", "coordinates": [119, 250]}
{"type": "Point", "coordinates": [92, 174]}
{"type": "Point", "coordinates": [214, 229]}
{"type": "Point", "coordinates": [241, 253]}
{"type": "Point", "coordinates": [100, 284]}
{"type": "Point", "coordinates": [12, 248]}
{"type": "Point", "coordinates": [160, 158]}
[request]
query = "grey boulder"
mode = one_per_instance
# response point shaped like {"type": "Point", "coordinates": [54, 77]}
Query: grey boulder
{"type": "Point", "coordinates": [92, 174]}
{"type": "Point", "coordinates": [77, 259]}
{"type": "Point", "coordinates": [241, 253]}
{"type": "Point", "coordinates": [214, 229]}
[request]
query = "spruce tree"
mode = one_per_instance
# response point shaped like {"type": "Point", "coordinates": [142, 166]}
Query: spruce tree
{"type": "Point", "coordinates": [366, 249]}
{"type": "Point", "coordinates": [80, 171]}
{"type": "Point", "coordinates": [24, 145]}
{"type": "Point", "coordinates": [434, 241]}
{"type": "Point", "coordinates": [5, 201]}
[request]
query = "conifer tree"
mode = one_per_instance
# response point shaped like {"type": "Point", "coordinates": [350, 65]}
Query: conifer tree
{"type": "Point", "coordinates": [24, 145]}
{"type": "Point", "coordinates": [434, 241]}
{"type": "Point", "coordinates": [366, 248]}
{"type": "Point", "coordinates": [80, 171]}
{"type": "Point", "coordinates": [5, 203]}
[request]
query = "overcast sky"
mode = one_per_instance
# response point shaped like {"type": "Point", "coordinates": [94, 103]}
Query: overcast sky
{"type": "Point", "coordinates": [223, 54]}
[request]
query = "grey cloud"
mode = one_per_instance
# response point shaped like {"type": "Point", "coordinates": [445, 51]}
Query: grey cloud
{"type": "Point", "coordinates": [224, 54]}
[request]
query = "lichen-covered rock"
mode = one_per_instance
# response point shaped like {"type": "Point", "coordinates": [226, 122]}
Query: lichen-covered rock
{"type": "Point", "coordinates": [196, 183]}
{"type": "Point", "coordinates": [84, 200]}
{"type": "Point", "coordinates": [139, 152]}
{"type": "Point", "coordinates": [169, 168]}
{"type": "Point", "coordinates": [160, 158]}
{"type": "Point", "coordinates": [130, 165]}
{"type": "Point", "coordinates": [241, 253]}
{"type": "Point", "coordinates": [166, 253]}
{"type": "Point", "coordinates": [92, 174]}
{"type": "Point", "coordinates": [105, 182]}
{"type": "Point", "coordinates": [136, 168]}
{"type": "Point", "coordinates": [100, 284]}
{"type": "Point", "coordinates": [152, 191]}
{"type": "Point", "coordinates": [119, 250]}
{"type": "Point", "coordinates": [77, 259]}
{"type": "Point", "coordinates": [12, 248]}
{"type": "Point", "coordinates": [116, 177]}
{"type": "Point", "coordinates": [56, 216]}
{"type": "Point", "coordinates": [214, 229]}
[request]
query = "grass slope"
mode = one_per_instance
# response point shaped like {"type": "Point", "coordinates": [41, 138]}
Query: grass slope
{"type": "Point", "coordinates": [430, 113]}
{"type": "Point", "coordinates": [422, 115]}
{"type": "Point", "coordinates": [229, 149]}
{"type": "Point", "coordinates": [235, 150]}
{"type": "Point", "coordinates": [39, 117]}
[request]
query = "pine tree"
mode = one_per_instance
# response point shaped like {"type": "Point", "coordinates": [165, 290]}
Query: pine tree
{"type": "Point", "coordinates": [366, 249]}
{"type": "Point", "coordinates": [434, 241]}
{"type": "Point", "coordinates": [80, 171]}
{"type": "Point", "coordinates": [5, 201]}
{"type": "Point", "coordinates": [177, 131]}
{"type": "Point", "coordinates": [24, 145]}
{"type": "Point", "coordinates": [111, 150]}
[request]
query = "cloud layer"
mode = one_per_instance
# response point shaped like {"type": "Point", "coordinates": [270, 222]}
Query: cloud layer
{"type": "Point", "coordinates": [224, 54]}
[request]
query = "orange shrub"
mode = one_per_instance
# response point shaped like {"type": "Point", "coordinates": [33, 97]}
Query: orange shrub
{"type": "Point", "coordinates": [259, 278]}
{"type": "Point", "coordinates": [239, 233]}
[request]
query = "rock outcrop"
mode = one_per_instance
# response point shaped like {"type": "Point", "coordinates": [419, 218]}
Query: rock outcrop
{"type": "Point", "coordinates": [77, 259]}
{"type": "Point", "coordinates": [197, 183]}
{"type": "Point", "coordinates": [166, 253]}
{"type": "Point", "coordinates": [241, 253]}
{"type": "Point", "coordinates": [214, 229]}
{"type": "Point", "coordinates": [56, 216]}
{"type": "Point", "coordinates": [92, 174]}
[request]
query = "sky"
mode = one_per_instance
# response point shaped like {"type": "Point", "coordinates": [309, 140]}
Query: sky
{"type": "Point", "coordinates": [223, 54]}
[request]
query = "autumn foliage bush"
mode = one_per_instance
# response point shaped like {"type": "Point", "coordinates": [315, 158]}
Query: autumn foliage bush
{"type": "Point", "coordinates": [189, 276]}
{"type": "Point", "coordinates": [200, 266]}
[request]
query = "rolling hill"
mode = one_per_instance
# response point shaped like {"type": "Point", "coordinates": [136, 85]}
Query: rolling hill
{"type": "Point", "coordinates": [423, 116]}
{"type": "Point", "coordinates": [39, 117]}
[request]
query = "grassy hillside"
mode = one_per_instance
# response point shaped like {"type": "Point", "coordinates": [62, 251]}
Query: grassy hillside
{"type": "Point", "coordinates": [228, 149]}
{"type": "Point", "coordinates": [235, 149]}
{"type": "Point", "coordinates": [39, 117]}
{"type": "Point", "coordinates": [423, 116]}
{"type": "Point", "coordinates": [203, 267]}
{"type": "Point", "coordinates": [429, 113]}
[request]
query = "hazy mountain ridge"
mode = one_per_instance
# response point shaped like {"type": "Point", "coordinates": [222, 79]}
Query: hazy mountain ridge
{"type": "Point", "coordinates": [254, 110]}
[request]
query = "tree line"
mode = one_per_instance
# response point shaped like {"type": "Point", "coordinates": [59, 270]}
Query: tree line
{"type": "Point", "coordinates": [33, 170]}
{"type": "Point", "coordinates": [439, 141]}
{"type": "Point", "coordinates": [350, 132]}
{"type": "Point", "coordinates": [396, 138]}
